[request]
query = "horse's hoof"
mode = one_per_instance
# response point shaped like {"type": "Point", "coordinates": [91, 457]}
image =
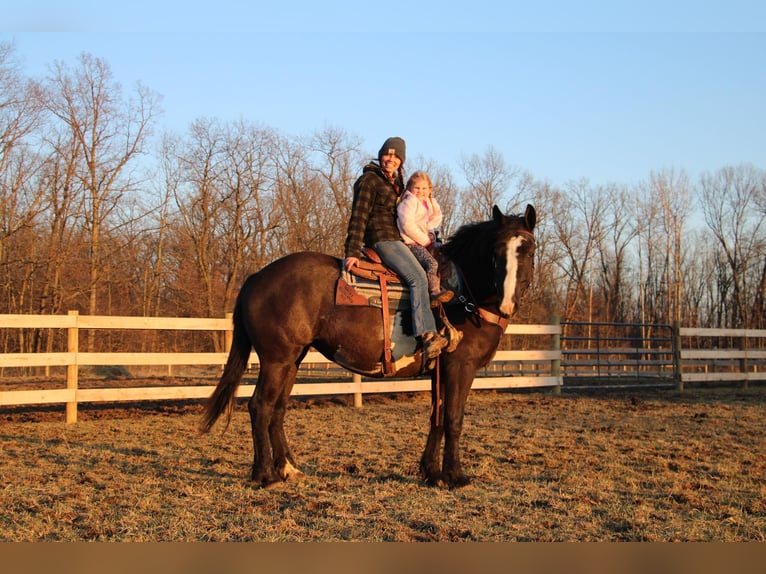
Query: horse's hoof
{"type": "Point", "coordinates": [290, 474]}
{"type": "Point", "coordinates": [295, 476]}
{"type": "Point", "coordinates": [460, 482]}
{"type": "Point", "coordinates": [436, 480]}
{"type": "Point", "coordinates": [272, 485]}
{"type": "Point", "coordinates": [265, 479]}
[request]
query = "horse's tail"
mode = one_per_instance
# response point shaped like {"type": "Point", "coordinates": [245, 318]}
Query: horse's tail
{"type": "Point", "coordinates": [223, 397]}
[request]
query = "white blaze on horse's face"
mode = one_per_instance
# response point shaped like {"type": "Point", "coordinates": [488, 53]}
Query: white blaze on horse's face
{"type": "Point", "coordinates": [508, 304]}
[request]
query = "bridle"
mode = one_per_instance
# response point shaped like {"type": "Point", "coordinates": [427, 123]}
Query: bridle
{"type": "Point", "coordinates": [473, 308]}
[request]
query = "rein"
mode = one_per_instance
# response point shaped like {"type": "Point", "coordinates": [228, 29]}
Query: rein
{"type": "Point", "coordinates": [474, 309]}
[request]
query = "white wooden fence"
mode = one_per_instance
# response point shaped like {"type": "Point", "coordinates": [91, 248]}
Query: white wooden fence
{"type": "Point", "coordinates": [73, 358]}
{"type": "Point", "coordinates": [727, 355]}
{"type": "Point", "coordinates": [712, 361]}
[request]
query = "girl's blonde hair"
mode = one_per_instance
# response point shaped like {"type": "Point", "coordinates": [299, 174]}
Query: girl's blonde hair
{"type": "Point", "coordinates": [419, 175]}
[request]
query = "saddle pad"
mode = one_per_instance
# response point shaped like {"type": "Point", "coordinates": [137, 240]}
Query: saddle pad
{"type": "Point", "coordinates": [353, 290]}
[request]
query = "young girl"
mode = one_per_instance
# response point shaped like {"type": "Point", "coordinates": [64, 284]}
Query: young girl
{"type": "Point", "coordinates": [418, 215]}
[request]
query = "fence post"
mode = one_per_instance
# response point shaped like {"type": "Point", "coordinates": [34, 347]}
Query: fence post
{"type": "Point", "coordinates": [743, 368]}
{"type": "Point", "coordinates": [228, 338]}
{"type": "Point", "coordinates": [73, 347]}
{"type": "Point", "coordinates": [358, 394]}
{"type": "Point", "coordinates": [677, 367]}
{"type": "Point", "coordinates": [228, 334]}
{"type": "Point", "coordinates": [556, 346]}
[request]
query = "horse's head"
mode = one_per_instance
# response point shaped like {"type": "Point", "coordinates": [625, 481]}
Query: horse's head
{"type": "Point", "coordinates": [514, 257]}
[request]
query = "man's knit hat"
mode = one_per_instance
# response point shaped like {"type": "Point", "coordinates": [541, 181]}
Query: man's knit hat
{"type": "Point", "coordinates": [396, 144]}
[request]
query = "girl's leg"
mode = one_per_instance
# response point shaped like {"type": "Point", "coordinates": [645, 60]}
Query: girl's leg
{"type": "Point", "coordinates": [399, 257]}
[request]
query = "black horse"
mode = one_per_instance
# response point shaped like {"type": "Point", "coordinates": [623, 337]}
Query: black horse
{"type": "Point", "coordinates": [289, 306]}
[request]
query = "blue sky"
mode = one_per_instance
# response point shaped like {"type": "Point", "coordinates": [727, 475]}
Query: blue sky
{"type": "Point", "coordinates": [605, 91]}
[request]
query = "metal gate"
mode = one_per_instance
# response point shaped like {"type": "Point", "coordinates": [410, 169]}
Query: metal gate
{"type": "Point", "coordinates": [617, 354]}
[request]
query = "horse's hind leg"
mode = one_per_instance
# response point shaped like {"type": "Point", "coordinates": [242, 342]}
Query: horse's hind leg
{"type": "Point", "coordinates": [267, 410]}
{"type": "Point", "coordinates": [284, 463]}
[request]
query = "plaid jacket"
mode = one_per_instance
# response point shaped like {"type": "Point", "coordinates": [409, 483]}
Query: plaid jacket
{"type": "Point", "coordinates": [373, 211]}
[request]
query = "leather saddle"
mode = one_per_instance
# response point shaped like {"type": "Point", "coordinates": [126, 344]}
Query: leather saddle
{"type": "Point", "coordinates": [361, 285]}
{"type": "Point", "coordinates": [371, 267]}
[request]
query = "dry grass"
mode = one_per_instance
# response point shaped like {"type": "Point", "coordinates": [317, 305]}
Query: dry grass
{"type": "Point", "coordinates": [603, 467]}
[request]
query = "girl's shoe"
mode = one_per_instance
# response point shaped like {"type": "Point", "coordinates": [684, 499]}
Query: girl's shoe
{"type": "Point", "coordinates": [444, 296]}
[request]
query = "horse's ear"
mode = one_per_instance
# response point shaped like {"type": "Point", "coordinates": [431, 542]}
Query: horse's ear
{"type": "Point", "coordinates": [530, 217]}
{"type": "Point", "coordinates": [497, 215]}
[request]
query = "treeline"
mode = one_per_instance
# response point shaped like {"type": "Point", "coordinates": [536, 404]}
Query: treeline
{"type": "Point", "coordinates": [102, 213]}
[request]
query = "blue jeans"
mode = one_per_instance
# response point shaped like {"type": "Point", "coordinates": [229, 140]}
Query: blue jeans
{"type": "Point", "coordinates": [398, 257]}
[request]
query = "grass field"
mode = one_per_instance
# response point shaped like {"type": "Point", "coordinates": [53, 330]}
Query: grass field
{"type": "Point", "coordinates": [646, 466]}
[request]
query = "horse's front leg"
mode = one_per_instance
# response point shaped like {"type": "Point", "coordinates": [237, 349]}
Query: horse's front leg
{"type": "Point", "coordinates": [456, 396]}
{"type": "Point", "coordinates": [430, 467]}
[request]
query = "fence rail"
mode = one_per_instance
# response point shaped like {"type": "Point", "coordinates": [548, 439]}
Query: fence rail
{"type": "Point", "coordinates": [737, 355]}
{"type": "Point", "coordinates": [74, 358]}
{"type": "Point", "coordinates": [677, 355]}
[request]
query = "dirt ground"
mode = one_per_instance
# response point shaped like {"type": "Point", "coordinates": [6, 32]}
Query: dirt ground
{"type": "Point", "coordinates": [596, 466]}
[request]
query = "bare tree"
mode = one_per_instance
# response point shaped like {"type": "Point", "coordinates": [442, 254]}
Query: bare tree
{"type": "Point", "coordinates": [154, 239]}
{"type": "Point", "coordinates": [671, 192]}
{"type": "Point", "coordinates": [308, 215]}
{"type": "Point", "coordinates": [334, 157]}
{"type": "Point", "coordinates": [488, 179]}
{"type": "Point", "coordinates": [20, 107]}
{"type": "Point", "coordinates": [20, 115]}
{"type": "Point", "coordinates": [699, 296]}
{"type": "Point", "coordinates": [618, 231]}
{"type": "Point", "coordinates": [663, 204]}
{"type": "Point", "coordinates": [63, 231]}
{"type": "Point", "coordinates": [110, 133]}
{"type": "Point", "coordinates": [224, 179]}
{"type": "Point", "coordinates": [21, 202]}
{"type": "Point", "coordinates": [579, 227]}
{"type": "Point", "coordinates": [730, 207]}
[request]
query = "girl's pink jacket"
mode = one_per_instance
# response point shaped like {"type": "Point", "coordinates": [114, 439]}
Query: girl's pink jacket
{"type": "Point", "coordinates": [416, 218]}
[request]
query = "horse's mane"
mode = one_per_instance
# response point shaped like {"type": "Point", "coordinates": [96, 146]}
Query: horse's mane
{"type": "Point", "coordinates": [471, 238]}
